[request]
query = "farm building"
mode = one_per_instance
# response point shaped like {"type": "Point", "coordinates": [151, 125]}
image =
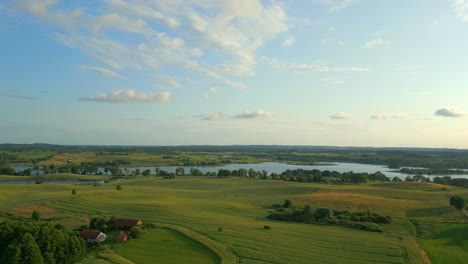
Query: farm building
{"type": "Point", "coordinates": [122, 236]}
{"type": "Point", "coordinates": [90, 235]}
{"type": "Point", "coordinates": [128, 222]}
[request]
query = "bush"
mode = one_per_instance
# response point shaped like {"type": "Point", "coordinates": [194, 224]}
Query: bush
{"type": "Point", "coordinates": [73, 191]}
{"type": "Point", "coordinates": [457, 201]}
{"type": "Point", "coordinates": [136, 232]}
{"type": "Point", "coordinates": [220, 229]}
{"type": "Point", "coordinates": [266, 227]}
{"type": "Point", "coordinates": [118, 187]}
{"type": "Point", "coordinates": [36, 215]}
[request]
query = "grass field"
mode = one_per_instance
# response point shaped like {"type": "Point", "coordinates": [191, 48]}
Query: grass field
{"type": "Point", "coordinates": [199, 206]}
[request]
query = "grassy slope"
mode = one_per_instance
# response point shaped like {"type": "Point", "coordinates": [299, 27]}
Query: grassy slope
{"type": "Point", "coordinates": [239, 207]}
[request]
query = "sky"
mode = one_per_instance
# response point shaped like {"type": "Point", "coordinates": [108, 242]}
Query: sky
{"type": "Point", "coordinates": [222, 72]}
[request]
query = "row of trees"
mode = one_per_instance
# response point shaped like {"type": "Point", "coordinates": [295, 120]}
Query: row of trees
{"type": "Point", "coordinates": [359, 220]}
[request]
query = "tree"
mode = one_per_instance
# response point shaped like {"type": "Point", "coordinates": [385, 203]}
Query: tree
{"type": "Point", "coordinates": [30, 252]}
{"type": "Point", "coordinates": [287, 204]}
{"type": "Point", "coordinates": [12, 254]}
{"type": "Point", "coordinates": [457, 201]}
{"type": "Point", "coordinates": [180, 171]}
{"type": "Point", "coordinates": [137, 172]}
{"type": "Point", "coordinates": [36, 215]}
{"type": "Point", "coordinates": [146, 172]}
{"type": "Point", "coordinates": [136, 232]}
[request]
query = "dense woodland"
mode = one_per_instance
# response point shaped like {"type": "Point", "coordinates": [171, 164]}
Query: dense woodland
{"type": "Point", "coordinates": [30, 242]}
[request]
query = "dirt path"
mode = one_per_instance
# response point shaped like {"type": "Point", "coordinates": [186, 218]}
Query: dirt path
{"type": "Point", "coordinates": [424, 256]}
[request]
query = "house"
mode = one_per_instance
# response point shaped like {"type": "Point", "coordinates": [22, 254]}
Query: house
{"type": "Point", "coordinates": [122, 236]}
{"type": "Point", "coordinates": [128, 222]}
{"type": "Point", "coordinates": [91, 235]}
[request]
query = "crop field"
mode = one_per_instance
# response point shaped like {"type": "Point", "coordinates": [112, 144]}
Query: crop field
{"type": "Point", "coordinates": [228, 217]}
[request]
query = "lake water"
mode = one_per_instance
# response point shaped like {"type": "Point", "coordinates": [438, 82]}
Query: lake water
{"type": "Point", "coordinates": [53, 182]}
{"type": "Point", "coordinates": [278, 167]}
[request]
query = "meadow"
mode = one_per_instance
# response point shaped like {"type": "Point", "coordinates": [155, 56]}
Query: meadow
{"type": "Point", "coordinates": [226, 217]}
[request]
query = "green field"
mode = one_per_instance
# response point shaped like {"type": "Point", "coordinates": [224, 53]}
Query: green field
{"type": "Point", "coordinates": [197, 206]}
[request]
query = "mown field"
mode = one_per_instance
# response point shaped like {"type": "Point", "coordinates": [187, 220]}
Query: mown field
{"type": "Point", "coordinates": [198, 207]}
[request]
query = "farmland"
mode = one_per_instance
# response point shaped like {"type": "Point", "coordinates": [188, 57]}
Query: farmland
{"type": "Point", "coordinates": [228, 215]}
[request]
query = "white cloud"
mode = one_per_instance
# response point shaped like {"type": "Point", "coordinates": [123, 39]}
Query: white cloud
{"type": "Point", "coordinates": [383, 116]}
{"type": "Point", "coordinates": [253, 115]}
{"type": "Point", "coordinates": [168, 81]}
{"type": "Point", "coordinates": [450, 112]}
{"type": "Point", "coordinates": [288, 41]}
{"type": "Point", "coordinates": [337, 5]}
{"type": "Point", "coordinates": [341, 115]}
{"type": "Point", "coordinates": [215, 116]}
{"type": "Point", "coordinates": [126, 96]}
{"type": "Point", "coordinates": [399, 116]}
{"type": "Point", "coordinates": [101, 71]}
{"type": "Point", "coordinates": [374, 43]}
{"type": "Point", "coordinates": [171, 32]}
{"type": "Point", "coordinates": [379, 116]}
{"type": "Point", "coordinates": [332, 80]}
{"type": "Point", "coordinates": [461, 9]}
{"type": "Point", "coordinates": [304, 67]}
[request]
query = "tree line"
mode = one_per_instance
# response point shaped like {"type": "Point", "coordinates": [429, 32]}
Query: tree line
{"type": "Point", "coordinates": [359, 220]}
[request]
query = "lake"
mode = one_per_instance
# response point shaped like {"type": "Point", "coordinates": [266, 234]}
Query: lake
{"type": "Point", "coordinates": [74, 182]}
{"type": "Point", "coordinates": [278, 167]}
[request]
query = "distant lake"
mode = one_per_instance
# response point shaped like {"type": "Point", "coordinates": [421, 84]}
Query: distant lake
{"type": "Point", "coordinates": [53, 182]}
{"type": "Point", "coordinates": [278, 167]}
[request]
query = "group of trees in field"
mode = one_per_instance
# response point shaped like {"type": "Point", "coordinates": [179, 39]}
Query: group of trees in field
{"type": "Point", "coordinates": [27, 242]}
{"type": "Point", "coordinates": [457, 202]}
{"type": "Point", "coordinates": [358, 220]}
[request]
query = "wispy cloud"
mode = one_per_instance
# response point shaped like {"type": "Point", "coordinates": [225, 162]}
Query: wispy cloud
{"type": "Point", "coordinates": [215, 116]}
{"type": "Point", "coordinates": [332, 80]}
{"type": "Point", "coordinates": [379, 116]}
{"type": "Point", "coordinates": [384, 117]}
{"type": "Point", "coordinates": [337, 5]}
{"type": "Point", "coordinates": [304, 67]}
{"type": "Point", "coordinates": [232, 30]}
{"type": "Point", "coordinates": [288, 41]}
{"type": "Point", "coordinates": [253, 115]}
{"type": "Point", "coordinates": [374, 43]}
{"type": "Point", "coordinates": [450, 112]}
{"type": "Point", "coordinates": [101, 71]}
{"type": "Point", "coordinates": [16, 94]}
{"type": "Point", "coordinates": [126, 96]}
{"type": "Point", "coordinates": [461, 9]}
{"type": "Point", "coordinates": [341, 115]}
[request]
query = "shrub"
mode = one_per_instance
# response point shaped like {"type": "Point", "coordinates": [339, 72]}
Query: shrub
{"type": "Point", "coordinates": [266, 227]}
{"type": "Point", "coordinates": [73, 191]}
{"type": "Point", "coordinates": [136, 232]}
{"type": "Point", "coordinates": [36, 215]}
{"type": "Point", "coordinates": [220, 229]}
{"type": "Point", "coordinates": [118, 187]}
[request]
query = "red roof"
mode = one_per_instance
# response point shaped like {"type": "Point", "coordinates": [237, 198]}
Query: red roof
{"type": "Point", "coordinates": [122, 236]}
{"type": "Point", "coordinates": [89, 234]}
{"type": "Point", "coordinates": [128, 222]}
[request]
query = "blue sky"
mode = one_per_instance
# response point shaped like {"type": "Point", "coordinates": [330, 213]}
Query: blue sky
{"type": "Point", "coordinates": [221, 72]}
